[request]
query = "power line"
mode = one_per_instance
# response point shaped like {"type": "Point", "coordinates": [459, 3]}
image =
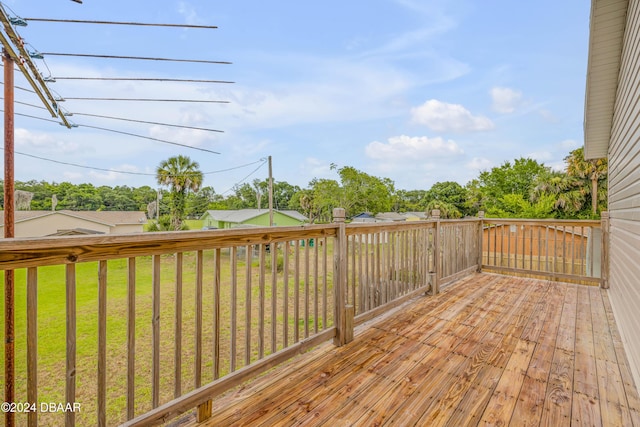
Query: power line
{"type": "Point", "coordinates": [150, 138]}
{"type": "Point", "coordinates": [143, 79]}
{"type": "Point", "coordinates": [60, 162]}
{"type": "Point", "coordinates": [139, 24]}
{"type": "Point", "coordinates": [143, 58]}
{"type": "Point", "coordinates": [264, 161]}
{"type": "Point", "coordinates": [122, 133]}
{"type": "Point", "coordinates": [146, 122]}
{"type": "Point", "coordinates": [148, 100]}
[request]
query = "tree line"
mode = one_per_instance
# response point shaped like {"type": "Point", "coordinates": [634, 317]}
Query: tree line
{"type": "Point", "coordinates": [522, 188]}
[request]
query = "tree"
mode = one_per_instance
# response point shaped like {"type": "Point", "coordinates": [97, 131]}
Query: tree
{"type": "Point", "coordinates": [593, 172]}
{"type": "Point", "coordinates": [516, 178]}
{"type": "Point", "coordinates": [362, 192]}
{"type": "Point", "coordinates": [449, 192]}
{"type": "Point", "coordinates": [181, 175]}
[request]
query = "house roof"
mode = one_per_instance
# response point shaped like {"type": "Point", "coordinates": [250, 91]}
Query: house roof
{"type": "Point", "coordinates": [110, 218]}
{"type": "Point", "coordinates": [391, 216]}
{"type": "Point", "coordinates": [242, 215]}
{"type": "Point", "coordinates": [607, 25]}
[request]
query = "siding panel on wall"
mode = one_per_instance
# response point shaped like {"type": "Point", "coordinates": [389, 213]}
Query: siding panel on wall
{"type": "Point", "coordinates": [624, 193]}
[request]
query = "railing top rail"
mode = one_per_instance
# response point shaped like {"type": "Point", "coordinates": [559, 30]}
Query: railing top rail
{"type": "Point", "coordinates": [546, 222]}
{"type": "Point", "coordinates": [41, 251]}
{"type": "Point", "coordinates": [376, 227]}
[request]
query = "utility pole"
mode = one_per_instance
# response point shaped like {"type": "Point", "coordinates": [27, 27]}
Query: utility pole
{"type": "Point", "coordinates": [9, 231]}
{"type": "Point", "coordinates": [270, 194]}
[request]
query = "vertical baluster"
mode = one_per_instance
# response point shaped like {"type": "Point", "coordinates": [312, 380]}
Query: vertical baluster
{"type": "Point", "coordinates": [316, 302]}
{"type": "Point", "coordinates": [296, 291]}
{"type": "Point", "coordinates": [261, 302]}
{"type": "Point", "coordinates": [131, 336]}
{"type": "Point", "coordinates": [32, 343]}
{"type": "Point", "coordinates": [102, 343]}
{"type": "Point", "coordinates": [70, 387]}
{"type": "Point", "coordinates": [198, 332]}
{"type": "Point", "coordinates": [324, 284]}
{"type": "Point", "coordinates": [234, 308]}
{"type": "Point", "coordinates": [285, 293]}
{"type": "Point", "coordinates": [155, 324]}
{"type": "Point", "coordinates": [177, 357]}
{"type": "Point", "coordinates": [247, 303]}
{"type": "Point", "coordinates": [274, 296]}
{"type": "Point", "coordinates": [307, 253]}
{"type": "Point", "coordinates": [216, 314]}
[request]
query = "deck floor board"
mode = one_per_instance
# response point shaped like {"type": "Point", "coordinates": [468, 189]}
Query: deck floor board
{"type": "Point", "coordinates": [488, 350]}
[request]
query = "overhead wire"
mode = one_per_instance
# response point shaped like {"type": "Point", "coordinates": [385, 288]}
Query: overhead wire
{"type": "Point", "coordinates": [144, 79]}
{"type": "Point", "coordinates": [146, 122]}
{"type": "Point", "coordinates": [139, 24]}
{"type": "Point", "coordinates": [142, 58]}
{"type": "Point", "coordinates": [264, 162]}
{"type": "Point", "coordinates": [127, 172]}
{"type": "Point", "coordinates": [147, 100]}
{"type": "Point", "coordinates": [122, 133]}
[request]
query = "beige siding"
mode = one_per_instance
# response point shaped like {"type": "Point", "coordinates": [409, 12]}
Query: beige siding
{"type": "Point", "coordinates": [47, 225]}
{"type": "Point", "coordinates": [624, 193]}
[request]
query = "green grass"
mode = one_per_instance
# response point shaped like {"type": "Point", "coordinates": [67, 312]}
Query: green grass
{"type": "Point", "coordinates": [52, 327]}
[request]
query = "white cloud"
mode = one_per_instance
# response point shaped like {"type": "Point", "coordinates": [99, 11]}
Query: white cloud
{"type": "Point", "coordinates": [443, 117]}
{"type": "Point", "coordinates": [540, 156]}
{"type": "Point", "coordinates": [43, 142]}
{"type": "Point", "coordinates": [479, 164]}
{"type": "Point", "coordinates": [505, 100]}
{"type": "Point", "coordinates": [569, 144]}
{"type": "Point", "coordinates": [405, 148]}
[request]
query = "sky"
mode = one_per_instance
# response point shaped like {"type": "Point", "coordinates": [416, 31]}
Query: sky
{"type": "Point", "coordinates": [417, 91]}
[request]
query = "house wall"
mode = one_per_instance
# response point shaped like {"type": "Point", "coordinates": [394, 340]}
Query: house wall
{"type": "Point", "coordinates": [278, 220]}
{"type": "Point", "coordinates": [127, 228]}
{"type": "Point", "coordinates": [624, 194]}
{"type": "Point", "coordinates": [51, 224]}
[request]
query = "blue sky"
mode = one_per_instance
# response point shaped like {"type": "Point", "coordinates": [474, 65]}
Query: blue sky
{"type": "Point", "coordinates": [418, 91]}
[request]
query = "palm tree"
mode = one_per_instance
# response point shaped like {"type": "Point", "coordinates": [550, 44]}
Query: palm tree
{"type": "Point", "coordinates": [181, 175]}
{"type": "Point", "coordinates": [593, 170]}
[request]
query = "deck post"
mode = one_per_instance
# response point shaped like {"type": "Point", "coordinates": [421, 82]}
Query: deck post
{"type": "Point", "coordinates": [435, 284]}
{"type": "Point", "coordinates": [340, 280]}
{"type": "Point", "coordinates": [480, 239]}
{"type": "Point", "coordinates": [604, 272]}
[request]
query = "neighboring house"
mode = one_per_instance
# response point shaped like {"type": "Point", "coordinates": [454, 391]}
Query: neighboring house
{"type": "Point", "coordinates": [250, 217]}
{"type": "Point", "coordinates": [612, 129]}
{"type": "Point", "coordinates": [65, 223]}
{"type": "Point", "coordinates": [391, 216]}
{"type": "Point", "coordinates": [363, 217]}
{"type": "Point", "coordinates": [416, 216]}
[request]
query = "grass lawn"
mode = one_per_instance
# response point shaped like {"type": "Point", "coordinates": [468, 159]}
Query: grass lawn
{"type": "Point", "coordinates": [52, 340]}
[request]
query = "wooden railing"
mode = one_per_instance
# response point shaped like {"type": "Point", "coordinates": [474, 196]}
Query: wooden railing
{"type": "Point", "coordinates": [137, 329]}
{"type": "Point", "coordinates": [565, 250]}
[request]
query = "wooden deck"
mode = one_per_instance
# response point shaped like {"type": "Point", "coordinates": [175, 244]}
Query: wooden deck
{"type": "Point", "coordinates": [489, 350]}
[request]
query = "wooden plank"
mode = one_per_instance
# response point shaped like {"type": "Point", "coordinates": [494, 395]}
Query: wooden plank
{"type": "Point", "coordinates": [197, 369]}
{"type": "Point", "coordinates": [504, 398]}
{"type": "Point", "coordinates": [274, 297]}
{"type": "Point", "coordinates": [233, 332]}
{"type": "Point", "coordinates": [177, 356]}
{"type": "Point", "coordinates": [36, 252]}
{"type": "Point", "coordinates": [155, 332]}
{"type": "Point", "coordinates": [216, 314]}
{"type": "Point", "coordinates": [32, 343]}
{"type": "Point", "coordinates": [102, 344]}
{"type": "Point", "coordinates": [247, 304]}
{"type": "Point", "coordinates": [285, 293]}
{"type": "Point", "coordinates": [70, 380]}
{"type": "Point", "coordinates": [131, 337]}
{"type": "Point", "coordinates": [557, 406]}
{"type": "Point", "coordinates": [261, 301]}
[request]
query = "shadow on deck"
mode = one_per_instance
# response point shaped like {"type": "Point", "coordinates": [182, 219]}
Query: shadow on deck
{"type": "Point", "coordinates": [489, 349]}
